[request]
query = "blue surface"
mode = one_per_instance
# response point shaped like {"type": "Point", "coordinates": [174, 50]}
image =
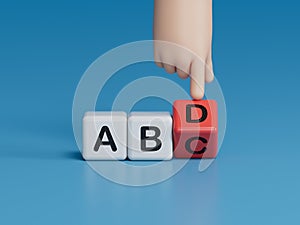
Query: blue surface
{"type": "Point", "coordinates": [44, 49]}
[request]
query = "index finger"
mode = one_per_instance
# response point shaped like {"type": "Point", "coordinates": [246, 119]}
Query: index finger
{"type": "Point", "coordinates": [197, 80]}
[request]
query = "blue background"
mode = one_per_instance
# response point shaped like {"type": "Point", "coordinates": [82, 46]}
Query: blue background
{"type": "Point", "coordinates": [45, 47]}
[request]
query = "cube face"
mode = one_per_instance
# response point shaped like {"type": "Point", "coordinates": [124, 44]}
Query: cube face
{"type": "Point", "coordinates": [195, 129]}
{"type": "Point", "coordinates": [150, 136]}
{"type": "Point", "coordinates": [105, 136]}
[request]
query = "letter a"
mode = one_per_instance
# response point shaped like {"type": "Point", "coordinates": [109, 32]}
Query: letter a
{"type": "Point", "coordinates": [110, 141]}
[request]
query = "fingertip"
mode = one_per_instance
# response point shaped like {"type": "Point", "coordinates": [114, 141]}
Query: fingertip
{"type": "Point", "coordinates": [159, 64]}
{"type": "Point", "coordinates": [182, 74]}
{"type": "Point", "coordinates": [209, 73]}
{"type": "Point", "coordinates": [169, 69]}
{"type": "Point", "coordinates": [209, 77]}
{"type": "Point", "coordinates": [197, 93]}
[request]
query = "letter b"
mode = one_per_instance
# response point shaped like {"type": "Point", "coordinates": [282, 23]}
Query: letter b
{"type": "Point", "coordinates": [154, 138]}
{"type": "Point", "coordinates": [150, 136]}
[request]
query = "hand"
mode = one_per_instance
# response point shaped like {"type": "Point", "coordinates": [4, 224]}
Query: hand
{"type": "Point", "coordinates": [187, 25]}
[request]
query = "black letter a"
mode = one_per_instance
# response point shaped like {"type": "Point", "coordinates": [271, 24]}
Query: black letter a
{"type": "Point", "coordinates": [110, 141]}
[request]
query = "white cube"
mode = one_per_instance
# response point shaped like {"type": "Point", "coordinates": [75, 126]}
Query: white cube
{"type": "Point", "coordinates": [104, 136]}
{"type": "Point", "coordinates": [150, 136]}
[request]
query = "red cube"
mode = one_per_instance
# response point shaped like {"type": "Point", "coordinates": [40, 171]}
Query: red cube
{"type": "Point", "coordinates": [195, 129]}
